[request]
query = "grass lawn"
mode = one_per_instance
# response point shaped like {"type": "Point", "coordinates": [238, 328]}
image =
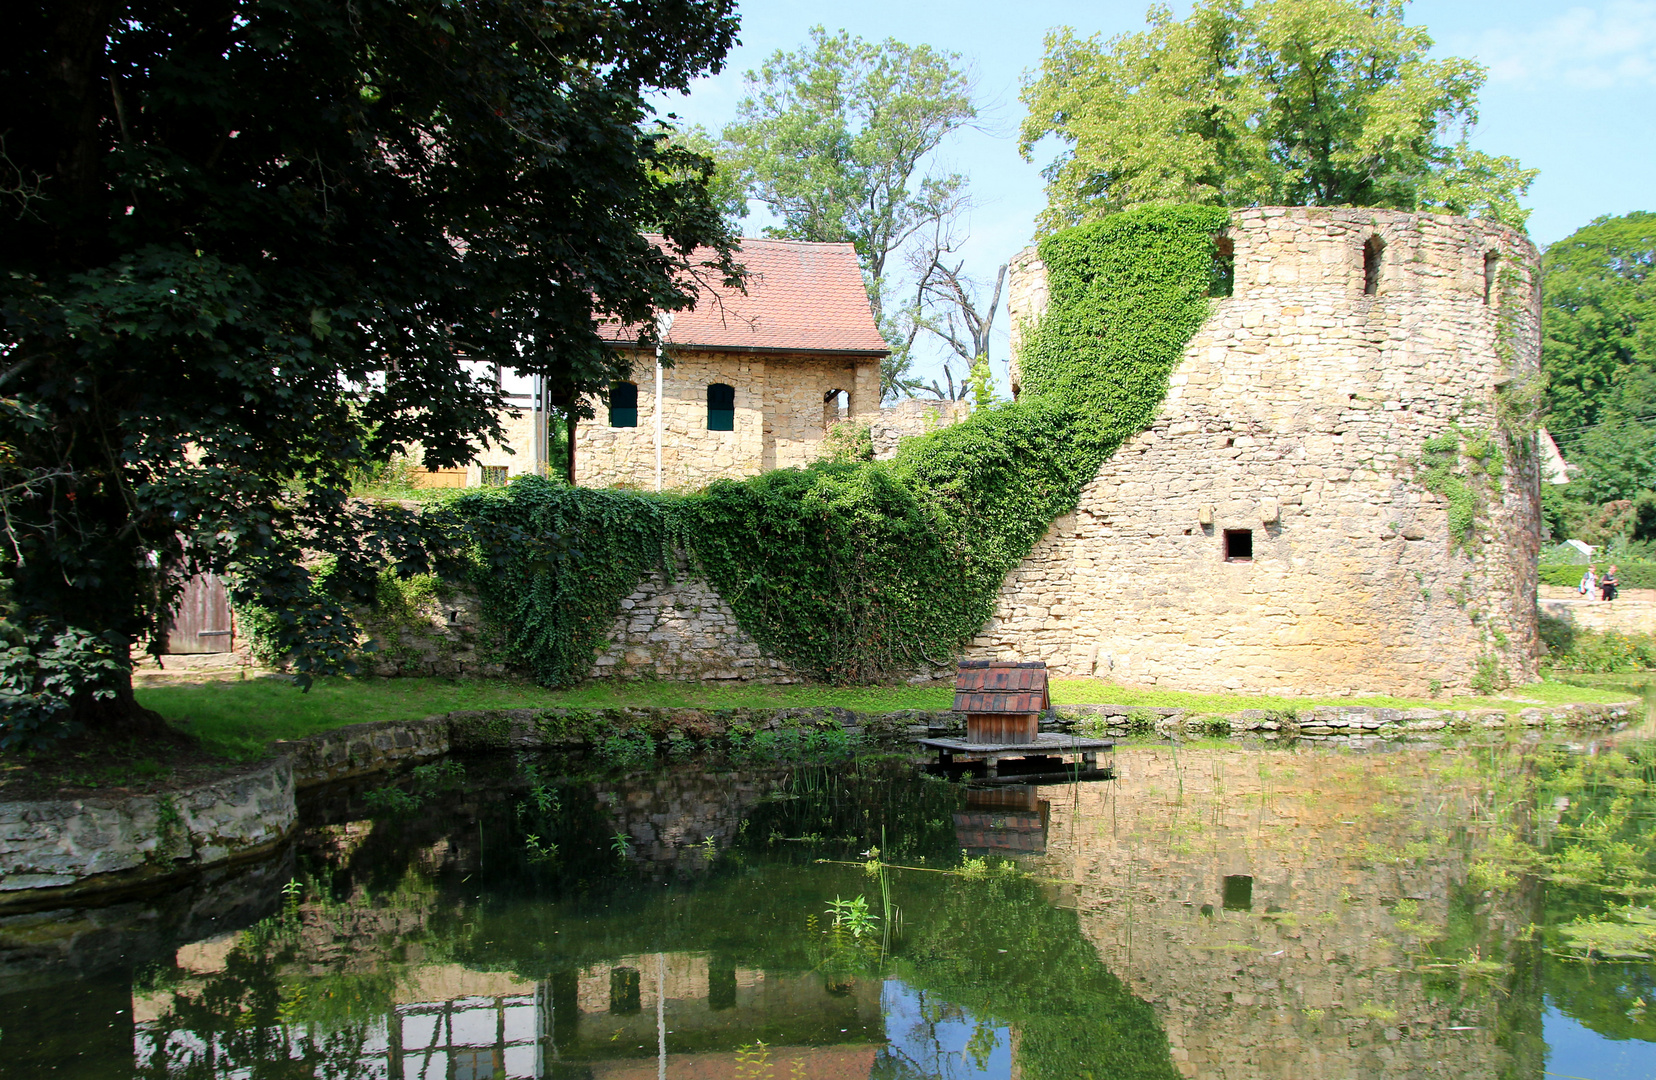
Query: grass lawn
{"type": "Point", "coordinates": [238, 719]}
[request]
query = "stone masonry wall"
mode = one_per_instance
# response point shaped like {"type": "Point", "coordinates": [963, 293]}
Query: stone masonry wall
{"type": "Point", "coordinates": [1298, 412]}
{"type": "Point", "coordinates": [68, 844]}
{"type": "Point", "coordinates": [781, 417]}
{"type": "Point", "coordinates": [913, 416]}
{"type": "Point", "coordinates": [682, 629]}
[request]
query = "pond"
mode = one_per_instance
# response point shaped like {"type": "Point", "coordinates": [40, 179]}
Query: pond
{"type": "Point", "coordinates": [1230, 910]}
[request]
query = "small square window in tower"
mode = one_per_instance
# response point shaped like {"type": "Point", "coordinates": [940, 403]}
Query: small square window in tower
{"type": "Point", "coordinates": [721, 407]}
{"type": "Point", "coordinates": [1239, 545]}
{"type": "Point", "coordinates": [623, 405]}
{"type": "Point", "coordinates": [1374, 250]}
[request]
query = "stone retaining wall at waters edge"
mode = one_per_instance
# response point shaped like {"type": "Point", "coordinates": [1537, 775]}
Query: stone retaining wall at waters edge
{"type": "Point", "coordinates": [59, 849]}
{"type": "Point", "coordinates": [1627, 616]}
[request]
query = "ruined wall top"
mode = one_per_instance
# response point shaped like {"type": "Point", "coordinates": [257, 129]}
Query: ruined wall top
{"type": "Point", "coordinates": [1336, 252]}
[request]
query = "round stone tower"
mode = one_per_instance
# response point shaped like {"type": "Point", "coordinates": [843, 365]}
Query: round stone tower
{"type": "Point", "coordinates": [1340, 492]}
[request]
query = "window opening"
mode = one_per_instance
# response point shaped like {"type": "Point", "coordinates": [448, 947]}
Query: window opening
{"type": "Point", "coordinates": [1373, 249]}
{"type": "Point", "coordinates": [623, 405]}
{"type": "Point", "coordinates": [625, 990]}
{"type": "Point", "coordinates": [836, 406]}
{"type": "Point", "coordinates": [1492, 265]}
{"type": "Point", "coordinates": [1238, 892]}
{"type": "Point", "coordinates": [721, 985]}
{"type": "Point", "coordinates": [721, 407]}
{"type": "Point", "coordinates": [1222, 274]}
{"type": "Point", "coordinates": [494, 476]}
{"type": "Point", "coordinates": [1238, 545]}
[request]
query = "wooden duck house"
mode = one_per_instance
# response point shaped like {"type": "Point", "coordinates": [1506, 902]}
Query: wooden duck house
{"type": "Point", "coordinates": [1003, 701]}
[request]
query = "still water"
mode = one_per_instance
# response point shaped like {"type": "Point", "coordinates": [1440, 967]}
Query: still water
{"type": "Point", "coordinates": [1218, 910]}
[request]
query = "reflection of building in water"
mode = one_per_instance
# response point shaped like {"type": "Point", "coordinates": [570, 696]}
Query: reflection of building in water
{"type": "Point", "coordinates": [1252, 898]}
{"type": "Point", "coordinates": [1007, 820]}
{"type": "Point", "coordinates": [668, 814]}
{"type": "Point", "coordinates": [679, 1015]}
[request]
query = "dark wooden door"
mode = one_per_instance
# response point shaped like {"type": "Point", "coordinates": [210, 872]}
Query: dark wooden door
{"type": "Point", "coordinates": [201, 621]}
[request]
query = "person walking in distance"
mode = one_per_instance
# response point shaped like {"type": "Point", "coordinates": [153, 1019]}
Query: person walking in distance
{"type": "Point", "coordinates": [1589, 583]}
{"type": "Point", "coordinates": [1608, 583]}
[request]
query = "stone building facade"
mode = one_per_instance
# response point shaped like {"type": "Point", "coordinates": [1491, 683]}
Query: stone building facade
{"type": "Point", "coordinates": [1271, 531]}
{"type": "Point", "coordinates": [1293, 432]}
{"type": "Point", "coordinates": [785, 403]}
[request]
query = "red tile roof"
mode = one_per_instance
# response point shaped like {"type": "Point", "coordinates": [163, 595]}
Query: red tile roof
{"type": "Point", "coordinates": [801, 297]}
{"type": "Point", "coordinates": [987, 686]}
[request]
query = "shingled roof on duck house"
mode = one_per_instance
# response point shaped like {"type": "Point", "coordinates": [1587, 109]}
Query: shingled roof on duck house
{"type": "Point", "coordinates": [1003, 700]}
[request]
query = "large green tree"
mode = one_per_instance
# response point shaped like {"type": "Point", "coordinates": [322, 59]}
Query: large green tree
{"type": "Point", "coordinates": [1288, 102]}
{"type": "Point", "coordinates": [252, 244]}
{"type": "Point", "coordinates": [836, 140]}
{"type": "Point", "coordinates": [1598, 322]}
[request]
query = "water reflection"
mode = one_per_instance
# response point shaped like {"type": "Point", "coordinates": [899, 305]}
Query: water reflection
{"type": "Point", "coordinates": [1217, 911]}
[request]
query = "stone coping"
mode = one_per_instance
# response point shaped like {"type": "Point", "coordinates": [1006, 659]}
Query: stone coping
{"type": "Point", "coordinates": [54, 851]}
{"type": "Point", "coordinates": [58, 850]}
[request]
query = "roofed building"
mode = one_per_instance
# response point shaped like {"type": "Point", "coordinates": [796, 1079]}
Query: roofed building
{"type": "Point", "coordinates": [755, 379]}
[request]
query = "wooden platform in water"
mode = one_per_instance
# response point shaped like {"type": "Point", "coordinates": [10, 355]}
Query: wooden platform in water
{"type": "Point", "coordinates": [1043, 761]}
{"type": "Point", "coordinates": [1047, 742]}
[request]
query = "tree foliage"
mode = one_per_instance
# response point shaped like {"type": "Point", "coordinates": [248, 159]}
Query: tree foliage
{"type": "Point", "coordinates": [1286, 102]}
{"type": "Point", "coordinates": [253, 241]}
{"type": "Point", "coordinates": [1598, 321]}
{"type": "Point", "coordinates": [835, 139]}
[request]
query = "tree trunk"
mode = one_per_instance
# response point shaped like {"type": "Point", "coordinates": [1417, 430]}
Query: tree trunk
{"type": "Point", "coordinates": [117, 716]}
{"type": "Point", "coordinates": [572, 418]}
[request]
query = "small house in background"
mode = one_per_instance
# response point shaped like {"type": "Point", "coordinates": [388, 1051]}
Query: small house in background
{"type": "Point", "coordinates": [1003, 701]}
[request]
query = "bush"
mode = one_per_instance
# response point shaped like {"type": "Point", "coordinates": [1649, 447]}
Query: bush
{"type": "Point", "coordinates": [1632, 575]}
{"type": "Point", "coordinates": [1571, 648]}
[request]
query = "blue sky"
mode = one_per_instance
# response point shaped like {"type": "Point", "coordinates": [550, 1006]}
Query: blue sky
{"type": "Point", "coordinates": [1571, 91]}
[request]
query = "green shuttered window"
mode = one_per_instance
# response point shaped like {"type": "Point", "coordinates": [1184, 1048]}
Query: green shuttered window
{"type": "Point", "coordinates": [721, 407]}
{"type": "Point", "coordinates": [623, 405]}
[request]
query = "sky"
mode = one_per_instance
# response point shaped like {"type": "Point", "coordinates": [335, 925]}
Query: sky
{"type": "Point", "coordinates": [1571, 91]}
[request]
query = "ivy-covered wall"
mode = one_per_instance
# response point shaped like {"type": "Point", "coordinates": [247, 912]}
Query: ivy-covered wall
{"type": "Point", "coordinates": [1378, 449]}
{"type": "Point", "coordinates": [860, 571]}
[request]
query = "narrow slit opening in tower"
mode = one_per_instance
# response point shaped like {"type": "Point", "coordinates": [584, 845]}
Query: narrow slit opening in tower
{"type": "Point", "coordinates": [1492, 267]}
{"type": "Point", "coordinates": [1373, 249]}
{"type": "Point", "coordinates": [1222, 276]}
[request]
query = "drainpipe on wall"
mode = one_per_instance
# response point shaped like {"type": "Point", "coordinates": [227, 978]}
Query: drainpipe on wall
{"type": "Point", "coordinates": [664, 323]}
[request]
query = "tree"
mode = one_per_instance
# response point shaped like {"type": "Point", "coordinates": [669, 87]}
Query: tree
{"type": "Point", "coordinates": [1290, 102]}
{"type": "Point", "coordinates": [1598, 323]}
{"type": "Point", "coordinates": [948, 304]}
{"type": "Point", "coordinates": [833, 139]}
{"type": "Point", "coordinates": [254, 243]}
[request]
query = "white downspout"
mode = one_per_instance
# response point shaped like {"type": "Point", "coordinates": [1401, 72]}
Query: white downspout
{"type": "Point", "coordinates": [664, 323]}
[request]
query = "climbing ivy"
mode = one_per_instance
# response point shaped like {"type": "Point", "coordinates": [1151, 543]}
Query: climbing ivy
{"type": "Point", "coordinates": [852, 570]}
{"type": "Point", "coordinates": [1459, 466]}
{"type": "Point", "coordinates": [553, 564]}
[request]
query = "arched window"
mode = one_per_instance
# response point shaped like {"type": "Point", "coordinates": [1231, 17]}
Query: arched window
{"type": "Point", "coordinates": [623, 404]}
{"type": "Point", "coordinates": [721, 407]}
{"type": "Point", "coordinates": [1492, 268]}
{"type": "Point", "coordinates": [1373, 250]}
